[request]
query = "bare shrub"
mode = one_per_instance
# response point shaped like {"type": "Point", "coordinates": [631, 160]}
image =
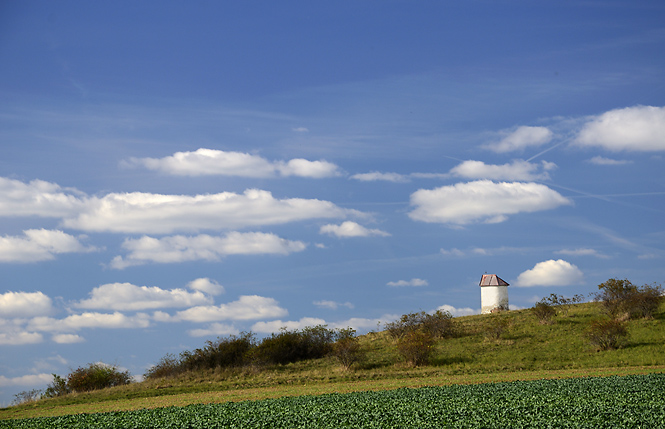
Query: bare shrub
{"type": "Point", "coordinates": [607, 334]}
{"type": "Point", "coordinates": [496, 327]}
{"type": "Point", "coordinates": [168, 366]}
{"type": "Point", "coordinates": [27, 396]}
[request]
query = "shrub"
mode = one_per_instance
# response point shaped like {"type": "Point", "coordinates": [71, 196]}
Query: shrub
{"type": "Point", "coordinates": [57, 387]}
{"type": "Point", "coordinates": [561, 302]}
{"type": "Point", "coordinates": [292, 346]}
{"type": "Point", "coordinates": [27, 396]}
{"type": "Point", "coordinates": [168, 366]}
{"type": "Point", "coordinates": [622, 299]}
{"type": "Point", "coordinates": [347, 349]}
{"type": "Point", "coordinates": [543, 312]}
{"type": "Point", "coordinates": [607, 334]}
{"type": "Point", "coordinates": [416, 347]}
{"type": "Point", "coordinates": [96, 376]}
{"type": "Point", "coordinates": [228, 352]}
{"type": "Point", "coordinates": [438, 325]}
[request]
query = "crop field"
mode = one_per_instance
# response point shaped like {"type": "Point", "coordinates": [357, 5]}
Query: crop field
{"type": "Point", "coordinates": [635, 401]}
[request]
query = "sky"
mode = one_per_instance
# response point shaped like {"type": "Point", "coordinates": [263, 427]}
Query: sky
{"type": "Point", "coordinates": [172, 172]}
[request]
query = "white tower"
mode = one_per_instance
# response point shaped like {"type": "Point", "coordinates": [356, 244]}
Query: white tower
{"type": "Point", "coordinates": [493, 293]}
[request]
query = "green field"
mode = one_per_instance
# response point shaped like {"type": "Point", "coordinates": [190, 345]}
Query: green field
{"type": "Point", "coordinates": [526, 351]}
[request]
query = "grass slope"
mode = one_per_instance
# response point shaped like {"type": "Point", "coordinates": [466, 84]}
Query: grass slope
{"type": "Point", "coordinates": [526, 351]}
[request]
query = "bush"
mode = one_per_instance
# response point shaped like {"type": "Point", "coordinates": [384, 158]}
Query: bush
{"type": "Point", "coordinates": [292, 346]}
{"type": "Point", "coordinates": [543, 312]}
{"type": "Point", "coordinates": [607, 334]}
{"type": "Point", "coordinates": [57, 387]}
{"type": "Point", "coordinates": [561, 302]}
{"type": "Point", "coordinates": [347, 348]}
{"type": "Point", "coordinates": [623, 300]}
{"type": "Point", "coordinates": [416, 347]}
{"type": "Point", "coordinates": [438, 325]}
{"type": "Point", "coordinates": [168, 366]}
{"type": "Point", "coordinates": [496, 327]}
{"type": "Point", "coordinates": [97, 376]}
{"type": "Point", "coordinates": [232, 351]}
{"type": "Point", "coordinates": [27, 396]}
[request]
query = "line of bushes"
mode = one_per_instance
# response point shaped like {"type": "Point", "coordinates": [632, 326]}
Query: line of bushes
{"type": "Point", "coordinates": [280, 348]}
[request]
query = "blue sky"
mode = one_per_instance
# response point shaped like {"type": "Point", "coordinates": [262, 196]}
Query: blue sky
{"type": "Point", "coordinates": [176, 171]}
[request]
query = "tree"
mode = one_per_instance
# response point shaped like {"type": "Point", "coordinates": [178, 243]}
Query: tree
{"type": "Point", "coordinates": [416, 347]}
{"type": "Point", "coordinates": [543, 312]}
{"type": "Point", "coordinates": [623, 300]}
{"type": "Point", "coordinates": [347, 349]}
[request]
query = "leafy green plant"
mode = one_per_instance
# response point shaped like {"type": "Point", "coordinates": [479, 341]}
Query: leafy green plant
{"type": "Point", "coordinates": [295, 345]}
{"type": "Point", "coordinates": [57, 387]}
{"type": "Point", "coordinates": [440, 324]}
{"type": "Point", "coordinates": [623, 300]}
{"type": "Point", "coordinates": [96, 376]}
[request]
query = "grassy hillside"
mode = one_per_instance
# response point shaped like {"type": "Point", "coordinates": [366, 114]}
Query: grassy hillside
{"type": "Point", "coordinates": [526, 350]}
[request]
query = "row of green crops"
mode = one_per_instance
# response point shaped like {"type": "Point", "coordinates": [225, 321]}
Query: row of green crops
{"type": "Point", "coordinates": [611, 402]}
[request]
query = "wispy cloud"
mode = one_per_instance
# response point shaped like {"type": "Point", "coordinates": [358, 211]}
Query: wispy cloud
{"type": "Point", "coordinates": [350, 229]}
{"type": "Point", "coordinates": [601, 160]}
{"type": "Point", "coordinates": [207, 162]}
{"type": "Point", "coordinates": [332, 305]}
{"type": "Point", "coordinates": [409, 283]}
{"type": "Point", "coordinates": [521, 138]}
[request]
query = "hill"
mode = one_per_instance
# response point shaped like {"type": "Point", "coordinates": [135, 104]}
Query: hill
{"type": "Point", "coordinates": [525, 350]}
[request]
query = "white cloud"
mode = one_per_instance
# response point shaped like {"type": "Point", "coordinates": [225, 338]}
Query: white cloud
{"type": "Point", "coordinates": [410, 283]}
{"type": "Point", "coordinates": [215, 329]}
{"type": "Point", "coordinates": [304, 168]}
{"type": "Point", "coordinates": [377, 176]}
{"type": "Point", "coordinates": [26, 380]}
{"type": "Point", "coordinates": [211, 287]}
{"type": "Point", "coordinates": [162, 214]}
{"type": "Point", "coordinates": [332, 304]}
{"type": "Point", "coordinates": [300, 130]}
{"type": "Point", "coordinates": [204, 162]}
{"type": "Point", "coordinates": [37, 198]}
{"type": "Point", "coordinates": [457, 312]}
{"type": "Point", "coordinates": [551, 273]}
{"type": "Point", "coordinates": [518, 170]}
{"type": "Point", "coordinates": [126, 296]}
{"type": "Point", "coordinates": [350, 229]}
{"type": "Point", "coordinates": [90, 320]}
{"type": "Point", "coordinates": [276, 325]}
{"type": "Point", "coordinates": [521, 138]}
{"type": "Point", "coordinates": [482, 200]}
{"type": "Point", "coordinates": [67, 339]}
{"type": "Point", "coordinates": [16, 338]}
{"type": "Point", "coordinates": [452, 252]}
{"type": "Point", "coordinates": [39, 245]}
{"type": "Point", "coordinates": [140, 212]}
{"type": "Point", "coordinates": [247, 307]}
{"type": "Point", "coordinates": [24, 304]}
{"type": "Point", "coordinates": [600, 160]}
{"type": "Point", "coordinates": [639, 128]}
{"type": "Point", "coordinates": [581, 252]}
{"type": "Point", "coordinates": [202, 247]}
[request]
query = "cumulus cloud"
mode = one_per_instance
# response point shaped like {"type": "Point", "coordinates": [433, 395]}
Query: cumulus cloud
{"type": "Point", "coordinates": [26, 380]}
{"type": "Point", "coordinates": [350, 229]}
{"type": "Point", "coordinates": [89, 320]}
{"type": "Point", "coordinates": [247, 307]}
{"type": "Point", "coordinates": [205, 162]}
{"type": "Point", "coordinates": [129, 297]}
{"type": "Point", "coordinates": [205, 285]}
{"type": "Point", "coordinates": [139, 212]}
{"type": "Point", "coordinates": [214, 330]}
{"type": "Point", "coordinates": [482, 200]}
{"type": "Point", "coordinates": [332, 304]}
{"type": "Point", "coordinates": [410, 283]}
{"type": "Point", "coordinates": [457, 312]}
{"type": "Point", "coordinates": [600, 160]}
{"type": "Point", "coordinates": [521, 138]}
{"type": "Point", "coordinates": [202, 247]}
{"type": "Point", "coordinates": [518, 170]}
{"type": "Point", "coordinates": [17, 338]}
{"type": "Point", "coordinates": [551, 273]}
{"type": "Point", "coordinates": [276, 325]}
{"type": "Point", "coordinates": [39, 245]}
{"type": "Point", "coordinates": [639, 128]}
{"type": "Point", "coordinates": [377, 176]}
{"type": "Point", "coordinates": [67, 339]}
{"type": "Point", "coordinates": [24, 304]}
{"type": "Point", "coordinates": [38, 198]}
